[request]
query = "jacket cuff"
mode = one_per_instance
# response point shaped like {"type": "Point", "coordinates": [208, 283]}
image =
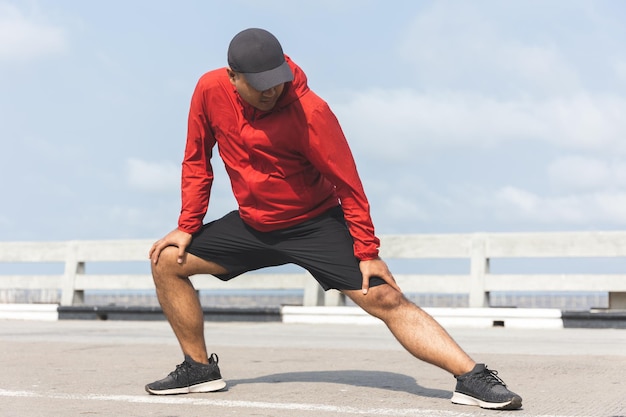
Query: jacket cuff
{"type": "Point", "coordinates": [367, 256]}
{"type": "Point", "coordinates": [191, 231]}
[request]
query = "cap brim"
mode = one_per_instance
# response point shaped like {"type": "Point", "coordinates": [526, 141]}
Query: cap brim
{"type": "Point", "coordinates": [262, 81]}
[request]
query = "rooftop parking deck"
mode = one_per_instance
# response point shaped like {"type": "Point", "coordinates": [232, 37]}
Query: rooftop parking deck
{"type": "Point", "coordinates": [99, 368]}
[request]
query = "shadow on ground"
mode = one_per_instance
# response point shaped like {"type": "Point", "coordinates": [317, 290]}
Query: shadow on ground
{"type": "Point", "coordinates": [371, 379]}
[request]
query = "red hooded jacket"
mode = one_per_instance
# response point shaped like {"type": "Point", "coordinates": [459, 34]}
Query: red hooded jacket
{"type": "Point", "coordinates": [286, 166]}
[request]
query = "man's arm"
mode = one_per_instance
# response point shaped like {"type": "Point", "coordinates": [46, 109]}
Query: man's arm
{"type": "Point", "coordinates": [196, 180]}
{"type": "Point", "coordinates": [330, 153]}
{"type": "Point", "coordinates": [197, 172]}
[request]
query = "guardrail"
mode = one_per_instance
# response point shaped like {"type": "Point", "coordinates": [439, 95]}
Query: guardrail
{"type": "Point", "coordinates": [478, 282]}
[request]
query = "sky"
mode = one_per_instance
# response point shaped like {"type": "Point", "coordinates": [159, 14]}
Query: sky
{"type": "Point", "coordinates": [482, 116]}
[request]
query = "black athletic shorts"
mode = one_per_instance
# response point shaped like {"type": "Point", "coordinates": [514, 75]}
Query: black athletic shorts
{"type": "Point", "coordinates": [322, 246]}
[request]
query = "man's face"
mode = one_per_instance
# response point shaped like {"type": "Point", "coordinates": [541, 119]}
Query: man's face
{"type": "Point", "coordinates": [262, 100]}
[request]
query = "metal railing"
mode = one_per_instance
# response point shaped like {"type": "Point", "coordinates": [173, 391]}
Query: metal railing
{"type": "Point", "coordinates": [478, 282]}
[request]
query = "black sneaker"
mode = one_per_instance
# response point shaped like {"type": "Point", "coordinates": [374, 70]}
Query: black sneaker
{"type": "Point", "coordinates": [483, 387]}
{"type": "Point", "coordinates": [190, 376]}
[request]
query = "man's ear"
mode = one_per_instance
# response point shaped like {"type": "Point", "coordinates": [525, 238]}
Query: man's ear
{"type": "Point", "coordinates": [231, 75]}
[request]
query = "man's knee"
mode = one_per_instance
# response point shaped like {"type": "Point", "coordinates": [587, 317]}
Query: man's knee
{"type": "Point", "coordinates": [379, 299]}
{"type": "Point", "coordinates": [166, 264]}
{"type": "Point", "coordinates": [387, 297]}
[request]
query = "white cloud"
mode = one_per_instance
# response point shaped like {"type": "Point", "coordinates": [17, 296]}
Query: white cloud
{"type": "Point", "coordinates": [523, 201]}
{"type": "Point", "coordinates": [24, 38]}
{"type": "Point", "coordinates": [577, 172]}
{"type": "Point", "coordinates": [620, 70]}
{"type": "Point", "coordinates": [408, 121]}
{"type": "Point", "coordinates": [580, 172]}
{"type": "Point", "coordinates": [398, 124]}
{"type": "Point", "coordinates": [583, 209]}
{"type": "Point", "coordinates": [587, 121]}
{"type": "Point", "coordinates": [449, 44]}
{"type": "Point", "coordinates": [131, 221]}
{"type": "Point", "coordinates": [542, 66]}
{"type": "Point", "coordinates": [503, 78]}
{"type": "Point", "coordinates": [153, 176]}
{"type": "Point", "coordinates": [4, 222]}
{"type": "Point", "coordinates": [404, 208]}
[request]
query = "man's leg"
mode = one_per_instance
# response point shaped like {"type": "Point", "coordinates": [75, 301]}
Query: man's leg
{"type": "Point", "coordinates": [179, 300]}
{"type": "Point", "coordinates": [415, 329]}
{"type": "Point", "coordinates": [422, 336]}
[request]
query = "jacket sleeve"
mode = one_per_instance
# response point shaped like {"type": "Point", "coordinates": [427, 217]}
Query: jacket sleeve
{"type": "Point", "coordinates": [197, 172]}
{"type": "Point", "coordinates": [328, 151]}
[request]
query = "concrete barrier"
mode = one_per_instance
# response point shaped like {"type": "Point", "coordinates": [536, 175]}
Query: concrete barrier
{"type": "Point", "coordinates": [447, 317]}
{"type": "Point", "coordinates": [478, 282]}
{"type": "Point", "coordinates": [42, 312]}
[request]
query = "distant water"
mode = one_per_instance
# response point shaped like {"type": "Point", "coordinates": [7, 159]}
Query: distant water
{"type": "Point", "coordinates": [271, 298]}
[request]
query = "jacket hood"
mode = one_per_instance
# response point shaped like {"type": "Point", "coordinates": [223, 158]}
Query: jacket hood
{"type": "Point", "coordinates": [293, 89]}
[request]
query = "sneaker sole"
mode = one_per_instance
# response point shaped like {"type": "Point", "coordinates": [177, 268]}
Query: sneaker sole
{"type": "Point", "coordinates": [464, 399]}
{"type": "Point", "coordinates": [208, 386]}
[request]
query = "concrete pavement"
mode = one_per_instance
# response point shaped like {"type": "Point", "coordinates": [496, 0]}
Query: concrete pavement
{"type": "Point", "coordinates": [99, 368]}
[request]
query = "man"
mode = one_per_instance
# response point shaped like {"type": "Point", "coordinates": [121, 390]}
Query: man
{"type": "Point", "coordinates": [300, 201]}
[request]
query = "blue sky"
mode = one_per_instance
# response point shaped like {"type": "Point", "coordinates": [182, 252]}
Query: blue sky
{"type": "Point", "coordinates": [462, 116]}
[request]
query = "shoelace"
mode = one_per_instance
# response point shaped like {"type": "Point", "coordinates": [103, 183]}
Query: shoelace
{"type": "Point", "coordinates": [180, 370]}
{"type": "Point", "coordinates": [491, 377]}
{"type": "Point", "coordinates": [183, 368]}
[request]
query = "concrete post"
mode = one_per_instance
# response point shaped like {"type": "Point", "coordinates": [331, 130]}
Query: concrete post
{"type": "Point", "coordinates": [479, 267]}
{"type": "Point", "coordinates": [313, 292]}
{"type": "Point", "coordinates": [69, 295]}
{"type": "Point", "coordinates": [334, 298]}
{"type": "Point", "coordinates": [617, 300]}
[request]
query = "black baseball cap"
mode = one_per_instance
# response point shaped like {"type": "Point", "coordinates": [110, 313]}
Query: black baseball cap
{"type": "Point", "coordinates": [257, 55]}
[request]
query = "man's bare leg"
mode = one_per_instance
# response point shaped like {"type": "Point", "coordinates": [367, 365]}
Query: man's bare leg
{"type": "Point", "coordinates": [415, 329]}
{"type": "Point", "coordinates": [179, 300]}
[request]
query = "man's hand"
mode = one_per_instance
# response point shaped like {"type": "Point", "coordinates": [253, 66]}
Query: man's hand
{"type": "Point", "coordinates": [376, 268]}
{"type": "Point", "coordinates": [176, 238]}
